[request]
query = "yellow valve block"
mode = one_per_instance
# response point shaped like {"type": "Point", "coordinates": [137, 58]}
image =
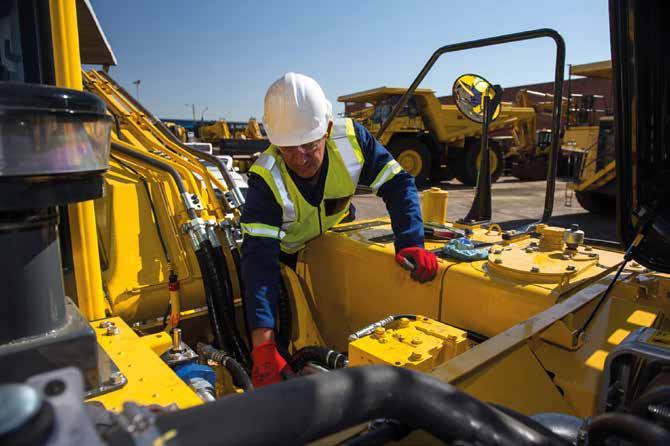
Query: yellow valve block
{"type": "Point", "coordinates": [420, 344]}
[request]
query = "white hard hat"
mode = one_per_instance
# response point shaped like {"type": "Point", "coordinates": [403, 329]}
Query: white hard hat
{"type": "Point", "coordinates": [296, 111]}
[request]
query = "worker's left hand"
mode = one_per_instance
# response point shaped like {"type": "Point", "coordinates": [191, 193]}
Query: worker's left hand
{"type": "Point", "coordinates": [424, 262]}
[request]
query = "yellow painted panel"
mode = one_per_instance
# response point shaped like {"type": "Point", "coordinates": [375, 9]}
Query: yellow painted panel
{"type": "Point", "coordinates": [518, 381]}
{"type": "Point", "coordinates": [642, 318]}
{"type": "Point", "coordinates": [150, 380]}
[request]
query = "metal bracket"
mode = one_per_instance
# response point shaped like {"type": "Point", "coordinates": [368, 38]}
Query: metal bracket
{"type": "Point", "coordinates": [192, 201]}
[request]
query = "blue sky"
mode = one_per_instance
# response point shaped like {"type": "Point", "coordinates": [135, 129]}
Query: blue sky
{"type": "Point", "coordinates": [222, 55]}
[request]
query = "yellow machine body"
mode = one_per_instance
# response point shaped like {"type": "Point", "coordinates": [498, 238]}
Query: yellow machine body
{"type": "Point", "coordinates": [505, 329]}
{"type": "Point", "coordinates": [215, 132]}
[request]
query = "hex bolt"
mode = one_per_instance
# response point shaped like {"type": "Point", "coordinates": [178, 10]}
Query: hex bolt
{"type": "Point", "coordinates": [112, 330]}
{"type": "Point", "coordinates": [404, 322]}
{"type": "Point", "coordinates": [415, 356]}
{"type": "Point", "coordinates": [116, 378]}
{"type": "Point", "coordinates": [593, 255]}
{"type": "Point", "coordinates": [588, 248]}
{"type": "Point", "coordinates": [570, 268]}
{"type": "Point", "coordinates": [534, 269]}
{"type": "Point", "coordinates": [416, 341]}
{"type": "Point", "coordinates": [105, 324]}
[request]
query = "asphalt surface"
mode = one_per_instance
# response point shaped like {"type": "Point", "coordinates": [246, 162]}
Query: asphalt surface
{"type": "Point", "coordinates": [515, 203]}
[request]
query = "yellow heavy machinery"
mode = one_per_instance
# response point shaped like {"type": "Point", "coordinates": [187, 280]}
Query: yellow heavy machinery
{"type": "Point", "coordinates": [215, 132]}
{"type": "Point", "coordinates": [430, 139]}
{"type": "Point", "coordinates": [534, 336]}
{"type": "Point", "coordinates": [178, 130]}
{"type": "Point", "coordinates": [589, 142]}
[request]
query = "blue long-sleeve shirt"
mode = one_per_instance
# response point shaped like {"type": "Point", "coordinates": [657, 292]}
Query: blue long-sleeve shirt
{"type": "Point", "coordinates": [260, 255]}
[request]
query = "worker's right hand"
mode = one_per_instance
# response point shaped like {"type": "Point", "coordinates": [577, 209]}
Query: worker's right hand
{"type": "Point", "coordinates": [269, 366]}
{"type": "Point", "coordinates": [424, 262]}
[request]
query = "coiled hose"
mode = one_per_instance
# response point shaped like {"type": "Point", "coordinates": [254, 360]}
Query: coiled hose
{"type": "Point", "coordinates": [322, 355]}
{"type": "Point", "coordinates": [240, 376]}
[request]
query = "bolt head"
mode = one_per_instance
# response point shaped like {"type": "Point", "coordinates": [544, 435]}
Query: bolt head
{"type": "Point", "coordinates": [498, 260]}
{"type": "Point", "coordinates": [112, 330]}
{"type": "Point", "coordinates": [534, 269]}
{"type": "Point", "coordinates": [105, 324]}
{"type": "Point", "coordinates": [415, 356]}
{"type": "Point", "coordinates": [570, 268]}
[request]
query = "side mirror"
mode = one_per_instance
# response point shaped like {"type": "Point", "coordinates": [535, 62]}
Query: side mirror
{"type": "Point", "coordinates": [469, 91]}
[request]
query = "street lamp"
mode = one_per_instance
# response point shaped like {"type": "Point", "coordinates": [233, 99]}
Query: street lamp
{"type": "Point", "coordinates": [137, 88]}
{"type": "Point", "coordinates": [202, 116]}
{"type": "Point", "coordinates": [193, 109]}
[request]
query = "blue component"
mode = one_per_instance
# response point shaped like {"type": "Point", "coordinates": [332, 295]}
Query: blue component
{"type": "Point", "coordinates": [192, 370]}
{"type": "Point", "coordinates": [462, 248]}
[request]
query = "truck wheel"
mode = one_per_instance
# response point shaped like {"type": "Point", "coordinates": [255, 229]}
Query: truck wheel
{"type": "Point", "coordinates": [470, 165]}
{"type": "Point", "coordinates": [595, 202]}
{"type": "Point", "coordinates": [414, 156]}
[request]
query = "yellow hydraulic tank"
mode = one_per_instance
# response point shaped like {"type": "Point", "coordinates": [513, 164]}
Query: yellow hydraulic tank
{"type": "Point", "coordinates": [434, 205]}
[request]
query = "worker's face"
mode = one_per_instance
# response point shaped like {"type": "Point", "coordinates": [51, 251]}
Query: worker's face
{"type": "Point", "coordinates": [306, 159]}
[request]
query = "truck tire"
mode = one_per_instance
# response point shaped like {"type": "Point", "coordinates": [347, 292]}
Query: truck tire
{"type": "Point", "coordinates": [414, 156]}
{"type": "Point", "coordinates": [596, 202]}
{"type": "Point", "coordinates": [467, 172]}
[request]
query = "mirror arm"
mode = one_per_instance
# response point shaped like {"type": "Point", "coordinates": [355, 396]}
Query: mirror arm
{"type": "Point", "coordinates": [556, 109]}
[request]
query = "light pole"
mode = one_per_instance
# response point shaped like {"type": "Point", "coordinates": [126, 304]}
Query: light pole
{"type": "Point", "coordinates": [137, 88]}
{"type": "Point", "coordinates": [202, 116]}
{"type": "Point", "coordinates": [193, 109]}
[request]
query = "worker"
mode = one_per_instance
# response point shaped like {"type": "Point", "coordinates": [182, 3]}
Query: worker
{"type": "Point", "coordinates": [301, 186]}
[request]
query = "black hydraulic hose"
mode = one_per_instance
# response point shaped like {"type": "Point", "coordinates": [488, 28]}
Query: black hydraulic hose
{"type": "Point", "coordinates": [658, 395]}
{"type": "Point", "coordinates": [159, 165]}
{"type": "Point", "coordinates": [628, 427]}
{"type": "Point", "coordinates": [322, 355]}
{"type": "Point", "coordinates": [237, 261]}
{"type": "Point", "coordinates": [240, 376]}
{"type": "Point", "coordinates": [215, 319]}
{"type": "Point", "coordinates": [220, 294]}
{"type": "Point", "coordinates": [239, 347]}
{"type": "Point", "coordinates": [565, 426]}
{"type": "Point", "coordinates": [284, 315]}
{"type": "Point", "coordinates": [380, 432]}
{"type": "Point", "coordinates": [302, 410]}
{"type": "Point", "coordinates": [530, 422]}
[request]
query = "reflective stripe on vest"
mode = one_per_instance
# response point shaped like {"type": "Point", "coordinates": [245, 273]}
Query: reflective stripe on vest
{"type": "Point", "coordinates": [267, 162]}
{"type": "Point", "coordinates": [344, 135]}
{"type": "Point", "coordinates": [391, 169]}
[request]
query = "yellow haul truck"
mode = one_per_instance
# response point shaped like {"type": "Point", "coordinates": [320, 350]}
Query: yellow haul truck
{"type": "Point", "coordinates": [527, 337]}
{"type": "Point", "coordinates": [589, 142]}
{"type": "Point", "coordinates": [430, 139]}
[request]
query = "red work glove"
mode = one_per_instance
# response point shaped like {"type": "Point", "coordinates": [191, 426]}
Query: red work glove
{"type": "Point", "coordinates": [269, 366]}
{"type": "Point", "coordinates": [424, 261]}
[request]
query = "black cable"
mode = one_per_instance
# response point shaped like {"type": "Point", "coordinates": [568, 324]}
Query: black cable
{"type": "Point", "coordinates": [322, 355]}
{"type": "Point", "coordinates": [240, 376]}
{"type": "Point", "coordinates": [626, 426]}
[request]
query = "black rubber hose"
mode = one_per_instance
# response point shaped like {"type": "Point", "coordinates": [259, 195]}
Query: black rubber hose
{"type": "Point", "coordinates": [285, 316]}
{"type": "Point", "coordinates": [235, 253]}
{"type": "Point", "coordinates": [220, 295]}
{"type": "Point", "coordinates": [302, 410]}
{"type": "Point", "coordinates": [565, 426]}
{"type": "Point", "coordinates": [229, 307]}
{"type": "Point", "coordinates": [528, 421]}
{"type": "Point", "coordinates": [628, 427]}
{"type": "Point", "coordinates": [215, 319]}
{"type": "Point", "coordinates": [322, 355]}
{"type": "Point", "coordinates": [240, 376]}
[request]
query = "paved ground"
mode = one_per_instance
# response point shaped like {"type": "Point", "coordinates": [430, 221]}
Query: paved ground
{"type": "Point", "coordinates": [514, 203]}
